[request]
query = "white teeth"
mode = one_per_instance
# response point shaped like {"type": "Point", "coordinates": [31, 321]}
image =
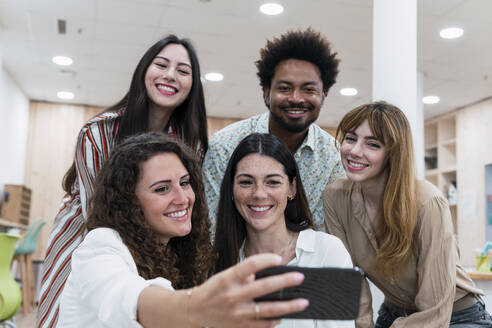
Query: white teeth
{"type": "Point", "coordinates": [358, 165]}
{"type": "Point", "coordinates": [296, 111]}
{"type": "Point", "coordinates": [260, 208]}
{"type": "Point", "coordinates": [166, 88]}
{"type": "Point", "coordinates": [177, 214]}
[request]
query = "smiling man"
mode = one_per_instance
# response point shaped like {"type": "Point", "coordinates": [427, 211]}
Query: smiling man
{"type": "Point", "coordinates": [296, 70]}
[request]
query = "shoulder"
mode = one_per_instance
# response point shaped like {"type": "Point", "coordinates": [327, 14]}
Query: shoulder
{"type": "Point", "coordinates": [103, 238]}
{"type": "Point", "coordinates": [433, 214]}
{"type": "Point", "coordinates": [101, 122]}
{"type": "Point", "coordinates": [429, 195]}
{"type": "Point", "coordinates": [328, 242]}
{"type": "Point", "coordinates": [104, 118]}
{"type": "Point", "coordinates": [322, 137]}
{"type": "Point", "coordinates": [227, 138]}
{"type": "Point", "coordinates": [329, 247]}
{"type": "Point", "coordinates": [338, 189]}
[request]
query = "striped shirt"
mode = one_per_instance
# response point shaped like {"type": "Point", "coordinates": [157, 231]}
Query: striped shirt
{"type": "Point", "coordinates": [317, 157]}
{"type": "Point", "coordinates": [94, 144]}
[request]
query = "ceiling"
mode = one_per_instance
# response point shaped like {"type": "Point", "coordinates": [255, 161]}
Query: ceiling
{"type": "Point", "coordinates": [106, 38]}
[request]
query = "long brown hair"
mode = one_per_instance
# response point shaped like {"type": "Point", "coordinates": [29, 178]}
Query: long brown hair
{"type": "Point", "coordinates": [188, 119]}
{"type": "Point", "coordinates": [231, 227]}
{"type": "Point", "coordinates": [395, 234]}
{"type": "Point", "coordinates": [186, 261]}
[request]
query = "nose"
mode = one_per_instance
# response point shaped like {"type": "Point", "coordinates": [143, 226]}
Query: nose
{"type": "Point", "coordinates": [180, 196]}
{"type": "Point", "coordinates": [170, 73]}
{"type": "Point", "coordinates": [259, 192]}
{"type": "Point", "coordinates": [296, 96]}
{"type": "Point", "coordinates": [356, 149]}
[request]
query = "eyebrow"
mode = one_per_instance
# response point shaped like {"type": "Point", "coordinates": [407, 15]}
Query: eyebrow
{"type": "Point", "coordinates": [168, 181]}
{"type": "Point", "coordinates": [179, 64]}
{"type": "Point", "coordinates": [315, 83]}
{"type": "Point", "coordinates": [273, 175]}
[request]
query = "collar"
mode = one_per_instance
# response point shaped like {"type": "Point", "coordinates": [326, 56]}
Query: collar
{"type": "Point", "coordinates": [306, 241]}
{"type": "Point", "coordinates": [309, 141]}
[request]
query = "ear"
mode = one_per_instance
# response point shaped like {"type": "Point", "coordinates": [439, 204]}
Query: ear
{"type": "Point", "coordinates": [293, 188]}
{"type": "Point", "coordinates": [325, 93]}
{"type": "Point", "coordinates": [266, 96]}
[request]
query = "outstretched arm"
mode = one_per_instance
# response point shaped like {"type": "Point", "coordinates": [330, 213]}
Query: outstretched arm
{"type": "Point", "coordinates": [225, 300]}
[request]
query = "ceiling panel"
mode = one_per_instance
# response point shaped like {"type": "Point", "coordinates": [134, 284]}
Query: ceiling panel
{"type": "Point", "coordinates": [106, 38]}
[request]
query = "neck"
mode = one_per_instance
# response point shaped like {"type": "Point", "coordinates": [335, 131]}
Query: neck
{"type": "Point", "coordinates": [373, 190]}
{"type": "Point", "coordinates": [158, 118]}
{"type": "Point", "coordinates": [292, 140]}
{"type": "Point", "coordinates": [278, 241]}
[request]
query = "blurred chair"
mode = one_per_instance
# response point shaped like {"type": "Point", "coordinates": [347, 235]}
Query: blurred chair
{"type": "Point", "coordinates": [10, 294]}
{"type": "Point", "coordinates": [23, 254]}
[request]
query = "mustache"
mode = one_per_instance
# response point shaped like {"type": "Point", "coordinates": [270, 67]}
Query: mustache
{"type": "Point", "coordinates": [291, 105]}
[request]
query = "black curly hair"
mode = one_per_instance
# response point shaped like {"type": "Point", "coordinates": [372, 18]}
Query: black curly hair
{"type": "Point", "coordinates": [308, 45]}
{"type": "Point", "coordinates": [185, 261]}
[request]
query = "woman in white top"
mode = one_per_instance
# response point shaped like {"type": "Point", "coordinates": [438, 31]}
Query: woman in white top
{"type": "Point", "coordinates": [148, 235]}
{"type": "Point", "coordinates": [263, 208]}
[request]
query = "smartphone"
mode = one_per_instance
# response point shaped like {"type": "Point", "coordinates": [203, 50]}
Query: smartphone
{"type": "Point", "coordinates": [333, 293]}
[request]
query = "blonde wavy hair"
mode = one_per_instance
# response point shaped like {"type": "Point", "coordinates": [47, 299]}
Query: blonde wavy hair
{"type": "Point", "coordinates": [399, 210]}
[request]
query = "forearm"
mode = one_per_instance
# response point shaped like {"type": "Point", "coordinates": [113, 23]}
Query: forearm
{"type": "Point", "coordinates": [159, 307]}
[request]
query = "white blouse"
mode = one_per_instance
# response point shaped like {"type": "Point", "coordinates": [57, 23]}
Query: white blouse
{"type": "Point", "coordinates": [316, 249]}
{"type": "Point", "coordinates": [103, 288]}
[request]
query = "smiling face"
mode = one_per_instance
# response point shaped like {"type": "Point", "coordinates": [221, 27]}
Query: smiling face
{"type": "Point", "coordinates": [165, 195]}
{"type": "Point", "coordinates": [295, 95]}
{"type": "Point", "coordinates": [363, 156]}
{"type": "Point", "coordinates": [261, 188]}
{"type": "Point", "coordinates": [168, 79]}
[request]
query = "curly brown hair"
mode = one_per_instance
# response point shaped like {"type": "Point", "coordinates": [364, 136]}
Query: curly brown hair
{"type": "Point", "coordinates": [186, 261]}
{"type": "Point", "coordinates": [308, 45]}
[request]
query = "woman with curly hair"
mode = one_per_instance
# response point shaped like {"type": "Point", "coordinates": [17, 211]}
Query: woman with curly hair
{"type": "Point", "coordinates": [165, 95]}
{"type": "Point", "coordinates": [396, 228]}
{"type": "Point", "coordinates": [148, 244]}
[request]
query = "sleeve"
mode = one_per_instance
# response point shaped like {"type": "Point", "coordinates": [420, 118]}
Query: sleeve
{"type": "Point", "coordinates": [91, 152]}
{"type": "Point", "coordinates": [338, 171]}
{"type": "Point", "coordinates": [334, 227]}
{"type": "Point", "coordinates": [436, 267]}
{"type": "Point", "coordinates": [108, 287]}
{"type": "Point", "coordinates": [213, 169]}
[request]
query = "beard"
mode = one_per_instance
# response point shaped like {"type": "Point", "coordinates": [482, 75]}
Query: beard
{"type": "Point", "coordinates": [292, 126]}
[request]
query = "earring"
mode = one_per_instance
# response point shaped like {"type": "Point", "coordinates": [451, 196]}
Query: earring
{"type": "Point", "coordinates": [289, 198]}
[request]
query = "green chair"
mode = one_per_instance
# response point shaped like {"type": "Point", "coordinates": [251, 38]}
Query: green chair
{"type": "Point", "coordinates": [22, 253]}
{"type": "Point", "coordinates": [10, 294]}
{"type": "Point", "coordinates": [30, 241]}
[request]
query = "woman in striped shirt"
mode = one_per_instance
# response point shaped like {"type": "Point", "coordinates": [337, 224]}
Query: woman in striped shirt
{"type": "Point", "coordinates": [166, 95]}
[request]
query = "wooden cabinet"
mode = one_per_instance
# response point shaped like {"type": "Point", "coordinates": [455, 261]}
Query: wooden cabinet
{"type": "Point", "coordinates": [440, 158]}
{"type": "Point", "coordinates": [16, 203]}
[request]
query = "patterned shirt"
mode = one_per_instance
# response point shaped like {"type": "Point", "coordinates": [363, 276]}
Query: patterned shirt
{"type": "Point", "coordinates": [318, 160]}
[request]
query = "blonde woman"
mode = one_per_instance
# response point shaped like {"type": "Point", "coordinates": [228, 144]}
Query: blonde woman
{"type": "Point", "coordinates": [398, 229]}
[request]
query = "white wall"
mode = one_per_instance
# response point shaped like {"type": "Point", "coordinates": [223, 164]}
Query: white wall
{"type": "Point", "coordinates": [14, 124]}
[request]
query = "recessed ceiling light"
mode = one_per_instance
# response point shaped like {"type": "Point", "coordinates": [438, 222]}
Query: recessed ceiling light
{"type": "Point", "coordinates": [348, 92]}
{"type": "Point", "coordinates": [67, 95]}
{"type": "Point", "coordinates": [451, 32]}
{"type": "Point", "coordinates": [62, 60]}
{"type": "Point", "coordinates": [214, 77]}
{"type": "Point", "coordinates": [430, 100]}
{"type": "Point", "coordinates": [271, 8]}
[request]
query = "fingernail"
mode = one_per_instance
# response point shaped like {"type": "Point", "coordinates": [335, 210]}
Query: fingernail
{"type": "Point", "coordinates": [298, 276]}
{"type": "Point", "coordinates": [278, 259]}
{"type": "Point", "coordinates": [303, 303]}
